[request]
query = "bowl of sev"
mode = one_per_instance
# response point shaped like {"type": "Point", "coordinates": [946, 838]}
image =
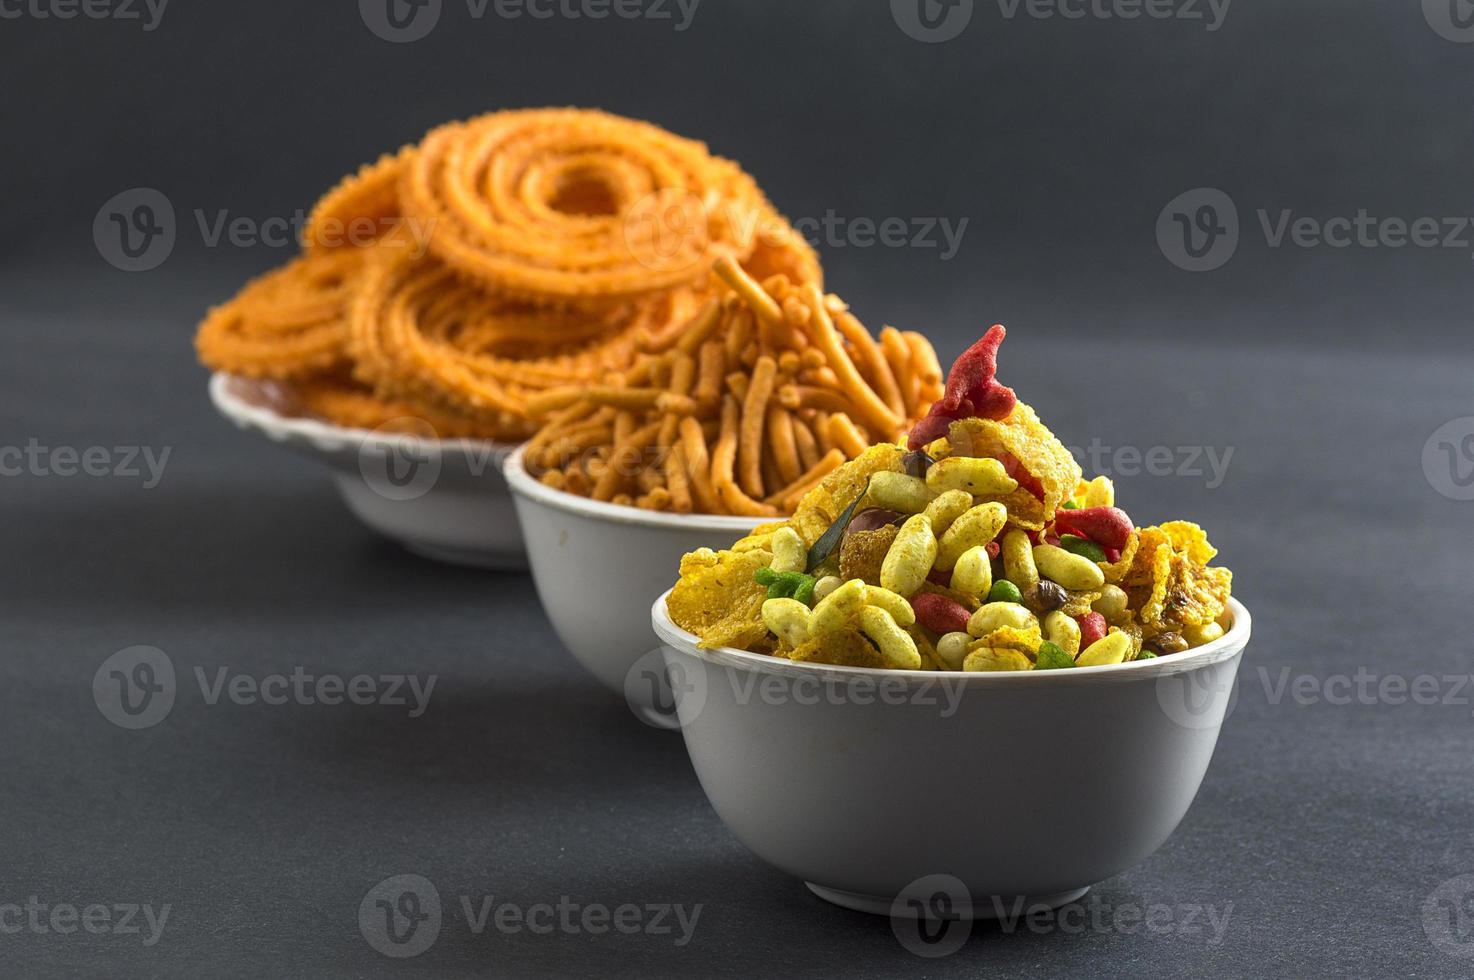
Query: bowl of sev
{"type": "Point", "coordinates": [718, 427]}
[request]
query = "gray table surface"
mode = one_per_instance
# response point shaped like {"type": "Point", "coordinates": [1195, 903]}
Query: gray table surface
{"type": "Point", "coordinates": [1323, 832]}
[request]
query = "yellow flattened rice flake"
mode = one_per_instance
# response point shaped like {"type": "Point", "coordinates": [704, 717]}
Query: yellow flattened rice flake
{"type": "Point", "coordinates": [844, 648]}
{"type": "Point", "coordinates": [1117, 571]}
{"type": "Point", "coordinates": [930, 659]}
{"type": "Point", "coordinates": [995, 659]}
{"type": "Point", "coordinates": [1187, 536]}
{"type": "Point", "coordinates": [1168, 583]}
{"type": "Point", "coordinates": [718, 600]}
{"type": "Point", "coordinates": [1025, 641]}
{"type": "Point", "coordinates": [1078, 603]}
{"type": "Point", "coordinates": [863, 552]}
{"type": "Point", "coordinates": [1029, 441]}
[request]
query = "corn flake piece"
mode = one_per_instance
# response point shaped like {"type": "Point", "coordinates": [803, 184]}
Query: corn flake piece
{"type": "Point", "coordinates": [822, 505]}
{"type": "Point", "coordinates": [1115, 572]}
{"type": "Point", "coordinates": [1168, 585]}
{"type": "Point", "coordinates": [862, 553]}
{"type": "Point", "coordinates": [1079, 603]}
{"type": "Point", "coordinates": [930, 659]}
{"type": "Point", "coordinates": [844, 648]}
{"type": "Point", "coordinates": [718, 600]}
{"type": "Point", "coordinates": [995, 659]}
{"type": "Point", "coordinates": [1025, 641]}
{"type": "Point", "coordinates": [1030, 442]}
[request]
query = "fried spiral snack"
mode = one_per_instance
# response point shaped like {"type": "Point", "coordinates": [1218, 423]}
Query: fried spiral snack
{"type": "Point", "coordinates": [458, 279]}
{"type": "Point", "coordinates": [288, 323]}
{"type": "Point", "coordinates": [418, 330]}
{"type": "Point", "coordinates": [773, 387]}
{"type": "Point", "coordinates": [362, 208]}
{"type": "Point", "coordinates": [579, 207]}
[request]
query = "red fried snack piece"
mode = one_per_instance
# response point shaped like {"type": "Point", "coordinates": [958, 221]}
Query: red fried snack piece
{"type": "Point", "coordinates": [972, 391]}
{"type": "Point", "coordinates": [1108, 527]}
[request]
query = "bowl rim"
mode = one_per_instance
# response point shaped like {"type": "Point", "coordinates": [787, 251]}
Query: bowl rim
{"type": "Point", "coordinates": [1230, 644]}
{"type": "Point", "coordinates": [523, 484]}
{"type": "Point", "coordinates": [328, 436]}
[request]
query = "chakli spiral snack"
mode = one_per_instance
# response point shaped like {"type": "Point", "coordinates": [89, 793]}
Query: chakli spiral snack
{"type": "Point", "coordinates": [288, 323]}
{"type": "Point", "coordinates": [772, 388]}
{"type": "Point", "coordinates": [572, 206]}
{"type": "Point", "coordinates": [363, 208]}
{"type": "Point", "coordinates": [419, 331]}
{"type": "Point", "coordinates": [519, 251]}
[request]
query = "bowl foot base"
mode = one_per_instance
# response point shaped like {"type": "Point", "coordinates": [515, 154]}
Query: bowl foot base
{"type": "Point", "coordinates": [469, 557]}
{"type": "Point", "coordinates": [986, 908]}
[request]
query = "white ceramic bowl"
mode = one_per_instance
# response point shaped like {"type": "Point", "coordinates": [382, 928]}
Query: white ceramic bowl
{"type": "Point", "coordinates": [444, 499]}
{"type": "Point", "coordinates": [597, 568]}
{"type": "Point", "coordinates": [869, 784]}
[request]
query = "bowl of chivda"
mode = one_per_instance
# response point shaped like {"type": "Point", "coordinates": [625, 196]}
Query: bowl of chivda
{"type": "Point", "coordinates": [960, 658]}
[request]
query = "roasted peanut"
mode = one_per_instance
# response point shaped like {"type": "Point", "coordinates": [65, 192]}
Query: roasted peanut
{"type": "Point", "coordinates": [973, 572]}
{"type": "Point", "coordinates": [1113, 648]}
{"type": "Point", "coordinates": [1063, 632]}
{"type": "Point", "coordinates": [1198, 635]}
{"type": "Point", "coordinates": [952, 648]}
{"type": "Point", "coordinates": [789, 551]}
{"type": "Point", "coordinates": [1111, 604]}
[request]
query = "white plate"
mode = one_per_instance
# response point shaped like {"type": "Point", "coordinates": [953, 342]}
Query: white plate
{"type": "Point", "coordinates": [445, 499]}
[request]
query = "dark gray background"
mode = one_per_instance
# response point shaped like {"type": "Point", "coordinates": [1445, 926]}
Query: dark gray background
{"type": "Point", "coordinates": [1327, 828]}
